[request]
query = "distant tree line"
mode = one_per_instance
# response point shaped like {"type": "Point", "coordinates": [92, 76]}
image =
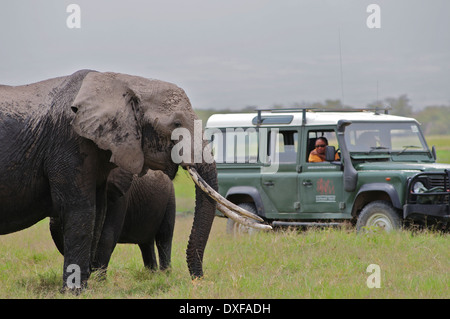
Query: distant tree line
{"type": "Point", "coordinates": [434, 119]}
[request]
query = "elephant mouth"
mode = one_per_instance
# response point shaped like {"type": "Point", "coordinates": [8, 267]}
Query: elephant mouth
{"type": "Point", "coordinates": [229, 209]}
{"type": "Point", "coordinates": [157, 166]}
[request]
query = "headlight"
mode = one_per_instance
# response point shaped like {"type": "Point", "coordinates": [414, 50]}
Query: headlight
{"type": "Point", "coordinates": [418, 187]}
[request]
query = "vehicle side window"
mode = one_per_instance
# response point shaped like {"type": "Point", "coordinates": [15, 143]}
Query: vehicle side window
{"type": "Point", "coordinates": [287, 146]}
{"type": "Point", "coordinates": [236, 145]}
{"type": "Point", "coordinates": [314, 135]}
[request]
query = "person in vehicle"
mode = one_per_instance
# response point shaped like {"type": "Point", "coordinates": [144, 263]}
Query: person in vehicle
{"type": "Point", "coordinates": [318, 154]}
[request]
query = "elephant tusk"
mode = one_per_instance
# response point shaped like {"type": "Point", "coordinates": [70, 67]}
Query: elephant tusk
{"type": "Point", "coordinates": [219, 198]}
{"type": "Point", "coordinates": [241, 220]}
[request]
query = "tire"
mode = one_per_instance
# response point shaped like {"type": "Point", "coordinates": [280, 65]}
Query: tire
{"type": "Point", "coordinates": [234, 228]}
{"type": "Point", "coordinates": [378, 214]}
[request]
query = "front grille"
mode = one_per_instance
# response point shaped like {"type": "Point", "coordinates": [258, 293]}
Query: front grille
{"type": "Point", "coordinates": [437, 185]}
{"type": "Point", "coordinates": [437, 181]}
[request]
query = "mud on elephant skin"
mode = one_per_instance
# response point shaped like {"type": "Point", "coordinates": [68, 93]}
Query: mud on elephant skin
{"type": "Point", "coordinates": [59, 140]}
{"type": "Point", "coordinates": [143, 214]}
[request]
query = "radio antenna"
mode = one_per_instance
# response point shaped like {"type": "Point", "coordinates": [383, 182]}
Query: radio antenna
{"type": "Point", "coordinates": [378, 98]}
{"type": "Point", "coordinates": [340, 62]}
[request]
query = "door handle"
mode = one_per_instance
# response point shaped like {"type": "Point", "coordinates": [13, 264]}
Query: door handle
{"type": "Point", "coordinates": [307, 183]}
{"type": "Point", "coordinates": [269, 183]}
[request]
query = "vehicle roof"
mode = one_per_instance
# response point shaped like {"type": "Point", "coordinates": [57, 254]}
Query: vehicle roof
{"type": "Point", "coordinates": [312, 118]}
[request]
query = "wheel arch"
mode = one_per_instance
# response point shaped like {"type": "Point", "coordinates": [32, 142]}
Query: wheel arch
{"type": "Point", "coordinates": [373, 192]}
{"type": "Point", "coordinates": [246, 194]}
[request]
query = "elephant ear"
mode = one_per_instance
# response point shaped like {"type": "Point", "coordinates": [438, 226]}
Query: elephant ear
{"type": "Point", "coordinates": [106, 113]}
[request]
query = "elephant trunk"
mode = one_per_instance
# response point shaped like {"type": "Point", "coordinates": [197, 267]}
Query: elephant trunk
{"type": "Point", "coordinates": [206, 196]}
{"type": "Point", "coordinates": [205, 208]}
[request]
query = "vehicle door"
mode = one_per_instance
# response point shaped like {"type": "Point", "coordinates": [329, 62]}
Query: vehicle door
{"type": "Point", "coordinates": [279, 174]}
{"type": "Point", "coordinates": [320, 183]}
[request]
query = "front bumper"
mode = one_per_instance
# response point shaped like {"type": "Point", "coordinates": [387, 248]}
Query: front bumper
{"type": "Point", "coordinates": [420, 211]}
{"type": "Point", "coordinates": [432, 203]}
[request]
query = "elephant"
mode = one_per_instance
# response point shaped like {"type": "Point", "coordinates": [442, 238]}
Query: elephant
{"type": "Point", "coordinates": [142, 213]}
{"type": "Point", "coordinates": [59, 140]}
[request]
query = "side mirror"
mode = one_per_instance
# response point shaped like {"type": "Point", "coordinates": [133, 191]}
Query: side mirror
{"type": "Point", "coordinates": [330, 153]}
{"type": "Point", "coordinates": [433, 152]}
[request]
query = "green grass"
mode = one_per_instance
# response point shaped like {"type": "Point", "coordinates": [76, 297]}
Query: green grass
{"type": "Point", "coordinates": [442, 144]}
{"type": "Point", "coordinates": [184, 191]}
{"type": "Point", "coordinates": [281, 264]}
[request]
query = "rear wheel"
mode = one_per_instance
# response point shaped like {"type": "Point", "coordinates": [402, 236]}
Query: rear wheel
{"type": "Point", "coordinates": [235, 228]}
{"type": "Point", "coordinates": [378, 214]}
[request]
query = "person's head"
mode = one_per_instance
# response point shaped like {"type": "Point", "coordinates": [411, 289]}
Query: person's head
{"type": "Point", "coordinates": [321, 144]}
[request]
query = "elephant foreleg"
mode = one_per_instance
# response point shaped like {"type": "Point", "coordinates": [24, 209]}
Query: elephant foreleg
{"type": "Point", "coordinates": [77, 246]}
{"type": "Point", "coordinates": [112, 226]}
{"type": "Point", "coordinates": [57, 231]}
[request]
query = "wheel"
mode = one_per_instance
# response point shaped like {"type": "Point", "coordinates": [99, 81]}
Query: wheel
{"type": "Point", "coordinates": [235, 228]}
{"type": "Point", "coordinates": [379, 214]}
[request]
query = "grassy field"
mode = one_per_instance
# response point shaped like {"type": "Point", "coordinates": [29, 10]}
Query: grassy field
{"type": "Point", "coordinates": [282, 264]}
{"type": "Point", "coordinates": [442, 144]}
{"type": "Point", "coordinates": [326, 263]}
{"type": "Point", "coordinates": [184, 192]}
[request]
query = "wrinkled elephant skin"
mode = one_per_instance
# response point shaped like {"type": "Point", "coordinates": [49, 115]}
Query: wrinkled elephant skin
{"type": "Point", "coordinates": [143, 215]}
{"type": "Point", "coordinates": [59, 140]}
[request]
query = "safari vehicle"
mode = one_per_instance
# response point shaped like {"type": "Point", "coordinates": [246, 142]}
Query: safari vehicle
{"type": "Point", "coordinates": [384, 174]}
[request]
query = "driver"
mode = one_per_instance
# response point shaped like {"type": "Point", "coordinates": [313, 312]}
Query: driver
{"type": "Point", "coordinates": [318, 154]}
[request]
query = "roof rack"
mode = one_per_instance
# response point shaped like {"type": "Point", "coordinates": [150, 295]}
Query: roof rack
{"type": "Point", "coordinates": [376, 110]}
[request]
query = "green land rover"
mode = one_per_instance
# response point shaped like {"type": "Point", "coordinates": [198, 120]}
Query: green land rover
{"type": "Point", "coordinates": [377, 171]}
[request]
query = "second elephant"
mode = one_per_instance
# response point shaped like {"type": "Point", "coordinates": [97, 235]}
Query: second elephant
{"type": "Point", "coordinates": [143, 214]}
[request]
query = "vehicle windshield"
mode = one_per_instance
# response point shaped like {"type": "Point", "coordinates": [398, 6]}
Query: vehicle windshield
{"type": "Point", "coordinates": [390, 137]}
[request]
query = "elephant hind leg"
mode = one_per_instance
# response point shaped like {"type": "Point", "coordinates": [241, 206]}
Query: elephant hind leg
{"type": "Point", "coordinates": [148, 255]}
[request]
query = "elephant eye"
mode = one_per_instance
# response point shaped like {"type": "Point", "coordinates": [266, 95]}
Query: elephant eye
{"type": "Point", "coordinates": [177, 124]}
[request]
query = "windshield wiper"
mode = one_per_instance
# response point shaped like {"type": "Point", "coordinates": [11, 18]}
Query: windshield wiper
{"type": "Point", "coordinates": [373, 148]}
{"type": "Point", "coordinates": [406, 147]}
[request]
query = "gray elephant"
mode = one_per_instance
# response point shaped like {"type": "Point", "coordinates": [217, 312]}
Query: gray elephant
{"type": "Point", "coordinates": [59, 140]}
{"type": "Point", "coordinates": [143, 214]}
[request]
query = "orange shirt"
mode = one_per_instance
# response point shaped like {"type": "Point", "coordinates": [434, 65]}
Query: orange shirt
{"type": "Point", "coordinates": [315, 157]}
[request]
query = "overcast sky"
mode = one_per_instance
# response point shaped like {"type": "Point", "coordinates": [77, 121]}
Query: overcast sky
{"type": "Point", "coordinates": [235, 53]}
